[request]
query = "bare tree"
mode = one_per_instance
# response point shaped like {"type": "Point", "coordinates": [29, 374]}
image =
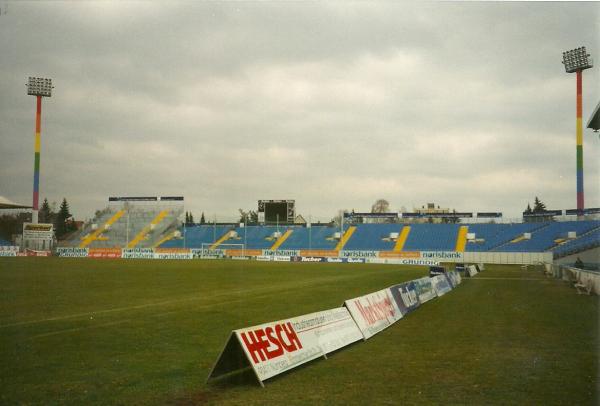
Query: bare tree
{"type": "Point", "coordinates": [380, 206]}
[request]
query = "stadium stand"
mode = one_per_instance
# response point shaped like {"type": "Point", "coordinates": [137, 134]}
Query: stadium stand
{"type": "Point", "coordinates": [195, 236]}
{"type": "Point", "coordinates": [493, 237]}
{"type": "Point", "coordinates": [315, 237]}
{"type": "Point", "coordinates": [5, 243]}
{"type": "Point", "coordinates": [432, 237]}
{"type": "Point", "coordinates": [138, 226]}
{"type": "Point", "coordinates": [587, 241]}
{"type": "Point", "coordinates": [375, 237]}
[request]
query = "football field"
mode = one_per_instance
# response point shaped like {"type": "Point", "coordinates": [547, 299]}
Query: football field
{"type": "Point", "coordinates": [83, 331]}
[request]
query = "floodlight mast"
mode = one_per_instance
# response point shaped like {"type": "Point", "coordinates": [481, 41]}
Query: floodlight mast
{"type": "Point", "coordinates": [39, 87]}
{"type": "Point", "coordinates": [577, 60]}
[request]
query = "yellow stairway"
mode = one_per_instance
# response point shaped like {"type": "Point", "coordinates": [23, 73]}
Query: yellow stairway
{"type": "Point", "coordinates": [402, 239]}
{"type": "Point", "coordinates": [461, 239]}
{"type": "Point", "coordinates": [281, 239]}
{"type": "Point", "coordinates": [345, 238]}
{"type": "Point", "coordinates": [220, 240]}
{"type": "Point", "coordinates": [142, 234]}
{"type": "Point", "coordinates": [93, 236]}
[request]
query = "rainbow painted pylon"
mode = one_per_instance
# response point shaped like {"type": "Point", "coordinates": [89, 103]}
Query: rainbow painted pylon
{"type": "Point", "coordinates": [579, 138]}
{"type": "Point", "coordinates": [36, 164]}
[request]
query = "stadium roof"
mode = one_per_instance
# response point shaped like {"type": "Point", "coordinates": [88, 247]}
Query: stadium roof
{"type": "Point", "coordinates": [7, 204]}
{"type": "Point", "coordinates": [594, 122]}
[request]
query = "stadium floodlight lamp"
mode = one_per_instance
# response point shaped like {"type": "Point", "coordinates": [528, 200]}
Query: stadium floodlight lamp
{"type": "Point", "coordinates": [577, 59]}
{"type": "Point", "coordinates": [39, 87]}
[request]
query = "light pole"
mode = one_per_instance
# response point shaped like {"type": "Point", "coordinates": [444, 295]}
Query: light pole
{"type": "Point", "coordinates": [577, 60]}
{"type": "Point", "coordinates": [38, 87]}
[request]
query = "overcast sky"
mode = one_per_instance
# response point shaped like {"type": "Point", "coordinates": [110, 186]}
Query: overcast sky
{"type": "Point", "coordinates": [332, 104]}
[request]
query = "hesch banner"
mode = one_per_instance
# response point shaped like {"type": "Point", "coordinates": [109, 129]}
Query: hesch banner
{"type": "Point", "coordinates": [406, 296]}
{"type": "Point", "coordinates": [276, 347]}
{"type": "Point", "coordinates": [374, 312]}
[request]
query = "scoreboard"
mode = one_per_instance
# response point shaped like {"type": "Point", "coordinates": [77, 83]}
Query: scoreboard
{"type": "Point", "coordinates": [273, 211]}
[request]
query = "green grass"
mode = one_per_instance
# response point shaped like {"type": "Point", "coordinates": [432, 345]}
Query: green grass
{"type": "Point", "coordinates": [81, 331]}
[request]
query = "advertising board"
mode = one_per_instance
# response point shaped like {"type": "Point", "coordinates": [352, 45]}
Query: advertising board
{"type": "Point", "coordinates": [8, 251]}
{"type": "Point", "coordinates": [425, 289]}
{"type": "Point", "coordinates": [73, 252]}
{"type": "Point", "coordinates": [276, 347]}
{"type": "Point", "coordinates": [406, 296]}
{"type": "Point", "coordinates": [374, 312]}
{"type": "Point", "coordinates": [441, 284]}
{"type": "Point", "coordinates": [104, 253]}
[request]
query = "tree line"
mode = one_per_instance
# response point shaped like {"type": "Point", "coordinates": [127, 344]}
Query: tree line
{"type": "Point", "coordinates": [61, 218]}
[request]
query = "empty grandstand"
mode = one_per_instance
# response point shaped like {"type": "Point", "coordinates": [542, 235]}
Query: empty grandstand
{"type": "Point", "coordinates": [130, 222]}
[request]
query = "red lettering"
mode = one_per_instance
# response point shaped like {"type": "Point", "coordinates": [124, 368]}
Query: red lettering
{"type": "Point", "coordinates": [291, 336]}
{"type": "Point", "coordinates": [256, 344]}
{"type": "Point", "coordinates": [278, 350]}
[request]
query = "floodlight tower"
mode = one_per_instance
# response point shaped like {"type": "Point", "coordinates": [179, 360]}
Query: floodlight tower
{"type": "Point", "coordinates": [38, 87]}
{"type": "Point", "coordinates": [577, 60]}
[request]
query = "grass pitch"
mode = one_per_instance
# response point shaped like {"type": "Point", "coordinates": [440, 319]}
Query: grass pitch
{"type": "Point", "coordinates": [82, 331]}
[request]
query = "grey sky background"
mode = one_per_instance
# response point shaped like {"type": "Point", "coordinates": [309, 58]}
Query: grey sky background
{"type": "Point", "coordinates": [333, 104]}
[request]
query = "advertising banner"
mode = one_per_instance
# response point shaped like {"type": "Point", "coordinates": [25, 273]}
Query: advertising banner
{"type": "Point", "coordinates": [318, 253]}
{"type": "Point", "coordinates": [73, 252]}
{"type": "Point", "coordinates": [276, 347]}
{"type": "Point", "coordinates": [425, 289]}
{"type": "Point", "coordinates": [335, 260]}
{"type": "Point", "coordinates": [355, 260]}
{"type": "Point", "coordinates": [454, 277]}
{"type": "Point", "coordinates": [359, 254]}
{"type": "Point", "coordinates": [173, 255]}
{"type": "Point", "coordinates": [137, 253]}
{"type": "Point", "coordinates": [39, 231]}
{"type": "Point", "coordinates": [406, 296]}
{"type": "Point", "coordinates": [472, 270]}
{"type": "Point", "coordinates": [278, 258]}
{"type": "Point", "coordinates": [443, 256]}
{"type": "Point", "coordinates": [400, 254]}
{"type": "Point", "coordinates": [441, 284]}
{"type": "Point", "coordinates": [35, 253]}
{"type": "Point", "coordinates": [242, 252]}
{"type": "Point", "coordinates": [374, 312]}
{"type": "Point", "coordinates": [263, 258]}
{"type": "Point", "coordinates": [207, 253]}
{"type": "Point", "coordinates": [8, 251]}
{"type": "Point", "coordinates": [104, 253]}
{"type": "Point", "coordinates": [281, 253]}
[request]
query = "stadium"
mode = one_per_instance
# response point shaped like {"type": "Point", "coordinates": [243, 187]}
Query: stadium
{"type": "Point", "coordinates": [140, 304]}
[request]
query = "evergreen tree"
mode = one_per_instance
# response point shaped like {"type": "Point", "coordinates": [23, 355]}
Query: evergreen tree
{"type": "Point", "coordinates": [538, 206]}
{"type": "Point", "coordinates": [202, 219]}
{"type": "Point", "coordinates": [191, 218]}
{"type": "Point", "coordinates": [528, 209]}
{"type": "Point", "coordinates": [62, 225]}
{"type": "Point", "coordinates": [187, 217]}
{"type": "Point", "coordinates": [45, 214]}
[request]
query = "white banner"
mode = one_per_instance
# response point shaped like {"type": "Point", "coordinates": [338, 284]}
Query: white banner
{"type": "Point", "coordinates": [443, 256]}
{"type": "Point", "coordinates": [374, 312]}
{"type": "Point", "coordinates": [273, 348]}
{"type": "Point", "coordinates": [263, 258]}
{"type": "Point", "coordinates": [441, 284]}
{"type": "Point", "coordinates": [282, 253]}
{"type": "Point", "coordinates": [74, 252]}
{"type": "Point", "coordinates": [472, 270]}
{"type": "Point", "coordinates": [278, 258]}
{"type": "Point", "coordinates": [173, 255]}
{"type": "Point", "coordinates": [8, 251]}
{"type": "Point", "coordinates": [425, 289]}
